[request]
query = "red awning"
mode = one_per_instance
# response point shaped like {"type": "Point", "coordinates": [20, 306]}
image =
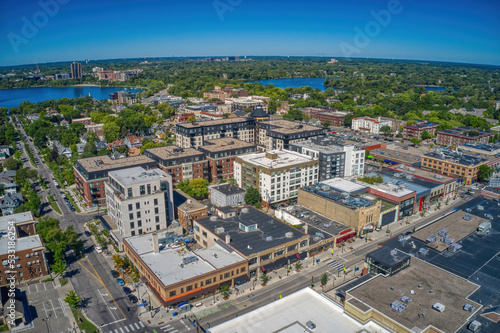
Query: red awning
{"type": "Point", "coordinates": [263, 269]}
{"type": "Point", "coordinates": [297, 255]}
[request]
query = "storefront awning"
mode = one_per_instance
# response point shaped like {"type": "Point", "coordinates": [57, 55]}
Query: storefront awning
{"type": "Point", "coordinates": [263, 269]}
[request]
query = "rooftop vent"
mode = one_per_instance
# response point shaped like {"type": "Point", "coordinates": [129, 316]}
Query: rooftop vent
{"type": "Point", "coordinates": [439, 307]}
{"type": "Point", "coordinates": [213, 218]}
{"type": "Point", "coordinates": [398, 306]}
{"type": "Point", "coordinates": [219, 230]}
{"type": "Point", "coordinates": [469, 308]}
{"type": "Point", "coordinates": [244, 210]}
{"type": "Point", "coordinates": [269, 238]}
{"type": "Point", "coordinates": [432, 238]}
{"type": "Point", "coordinates": [289, 234]}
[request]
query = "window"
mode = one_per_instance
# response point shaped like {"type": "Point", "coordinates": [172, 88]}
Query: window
{"type": "Point", "coordinates": [131, 216]}
{"type": "Point", "coordinates": [140, 231]}
{"type": "Point", "coordinates": [149, 189]}
{"type": "Point", "coordinates": [189, 288]}
{"type": "Point", "coordinates": [156, 202]}
{"type": "Point", "coordinates": [129, 190]}
{"type": "Point", "coordinates": [138, 214]}
{"type": "Point", "coordinates": [139, 223]}
{"type": "Point", "coordinates": [132, 226]}
{"type": "Point", "coordinates": [226, 275]}
{"type": "Point", "coordinates": [137, 205]}
{"type": "Point", "coordinates": [208, 281]}
{"type": "Point", "coordinates": [133, 233]}
{"type": "Point", "coordinates": [157, 219]}
{"type": "Point", "coordinates": [157, 227]}
{"type": "Point", "coordinates": [243, 269]}
{"type": "Point", "coordinates": [130, 207]}
{"type": "Point", "coordinates": [156, 210]}
{"type": "Point", "coordinates": [142, 190]}
{"type": "Point", "coordinates": [172, 293]}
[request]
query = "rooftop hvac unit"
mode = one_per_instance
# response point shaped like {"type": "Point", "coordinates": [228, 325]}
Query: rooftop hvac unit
{"type": "Point", "coordinates": [406, 299]}
{"type": "Point", "coordinates": [289, 234]}
{"type": "Point", "coordinates": [402, 166]}
{"type": "Point", "coordinates": [480, 207]}
{"type": "Point", "coordinates": [432, 238]}
{"type": "Point", "coordinates": [438, 306]}
{"type": "Point", "coordinates": [443, 232]}
{"type": "Point", "coordinates": [447, 240]}
{"type": "Point", "coordinates": [467, 216]}
{"type": "Point", "coordinates": [213, 218]}
{"type": "Point", "coordinates": [438, 176]}
{"type": "Point", "coordinates": [423, 250]}
{"type": "Point", "coordinates": [454, 247]}
{"type": "Point", "coordinates": [411, 169]}
{"type": "Point", "coordinates": [398, 306]}
{"type": "Point", "coordinates": [269, 238]}
{"type": "Point", "coordinates": [219, 230]}
{"type": "Point", "coordinates": [469, 308]}
{"type": "Point", "coordinates": [394, 252]}
{"type": "Point", "coordinates": [244, 210]}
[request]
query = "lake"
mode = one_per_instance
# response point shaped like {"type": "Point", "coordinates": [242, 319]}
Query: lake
{"type": "Point", "coordinates": [315, 83]}
{"type": "Point", "coordinates": [12, 97]}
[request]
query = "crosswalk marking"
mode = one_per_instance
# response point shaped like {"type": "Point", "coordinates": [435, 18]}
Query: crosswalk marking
{"type": "Point", "coordinates": [116, 331]}
{"type": "Point", "coordinates": [142, 325]}
{"type": "Point", "coordinates": [336, 265]}
{"type": "Point", "coordinates": [163, 327]}
{"type": "Point", "coordinates": [136, 325]}
{"type": "Point", "coordinates": [126, 329]}
{"type": "Point", "coordinates": [132, 327]}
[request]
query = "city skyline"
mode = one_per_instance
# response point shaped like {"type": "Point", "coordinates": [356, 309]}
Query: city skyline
{"type": "Point", "coordinates": [57, 30]}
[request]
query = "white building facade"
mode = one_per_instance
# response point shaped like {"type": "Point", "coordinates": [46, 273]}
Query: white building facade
{"type": "Point", "coordinates": [370, 125]}
{"type": "Point", "coordinates": [139, 201]}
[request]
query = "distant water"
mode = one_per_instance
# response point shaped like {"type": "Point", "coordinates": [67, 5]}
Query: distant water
{"type": "Point", "coordinates": [315, 83]}
{"type": "Point", "coordinates": [438, 89]}
{"type": "Point", "coordinates": [12, 97]}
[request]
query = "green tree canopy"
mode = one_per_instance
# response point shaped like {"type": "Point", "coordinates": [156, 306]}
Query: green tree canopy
{"type": "Point", "coordinates": [426, 135]}
{"type": "Point", "coordinates": [73, 299]}
{"type": "Point", "coordinates": [252, 197]}
{"type": "Point", "coordinates": [386, 129]}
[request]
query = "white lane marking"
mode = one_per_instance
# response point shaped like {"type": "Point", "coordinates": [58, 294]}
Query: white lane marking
{"type": "Point", "coordinates": [112, 315]}
{"type": "Point", "coordinates": [62, 307]}
{"type": "Point", "coordinates": [132, 327]}
{"type": "Point", "coordinates": [116, 331]}
{"type": "Point", "coordinates": [136, 325]}
{"type": "Point", "coordinates": [169, 329]}
{"type": "Point", "coordinates": [183, 323]}
{"type": "Point", "coordinates": [163, 327]}
{"type": "Point", "coordinates": [121, 330]}
{"type": "Point", "coordinates": [46, 314]}
{"type": "Point", "coordinates": [53, 307]}
{"type": "Point", "coordinates": [45, 286]}
{"type": "Point", "coordinates": [126, 329]}
{"type": "Point", "coordinates": [29, 291]}
{"type": "Point", "coordinates": [53, 284]}
{"type": "Point", "coordinates": [36, 286]}
{"type": "Point", "coordinates": [142, 325]}
{"type": "Point", "coordinates": [116, 321]}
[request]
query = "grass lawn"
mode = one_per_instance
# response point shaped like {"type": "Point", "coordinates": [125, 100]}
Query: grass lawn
{"type": "Point", "coordinates": [70, 198]}
{"type": "Point", "coordinates": [54, 204]}
{"type": "Point", "coordinates": [84, 324]}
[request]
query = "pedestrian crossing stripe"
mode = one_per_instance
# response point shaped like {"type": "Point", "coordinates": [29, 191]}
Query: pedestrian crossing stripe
{"type": "Point", "coordinates": [336, 265]}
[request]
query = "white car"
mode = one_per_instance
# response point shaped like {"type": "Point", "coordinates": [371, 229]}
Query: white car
{"type": "Point", "coordinates": [98, 249]}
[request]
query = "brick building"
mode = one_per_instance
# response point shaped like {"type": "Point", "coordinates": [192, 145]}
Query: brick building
{"type": "Point", "coordinates": [461, 135]}
{"type": "Point", "coordinates": [187, 209]}
{"type": "Point", "coordinates": [227, 92]}
{"type": "Point", "coordinates": [416, 130]}
{"type": "Point", "coordinates": [220, 155]}
{"type": "Point", "coordinates": [91, 173]}
{"type": "Point", "coordinates": [180, 163]}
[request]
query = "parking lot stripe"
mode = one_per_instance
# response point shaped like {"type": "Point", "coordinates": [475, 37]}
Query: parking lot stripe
{"type": "Point", "coordinates": [36, 286]}
{"type": "Point", "coordinates": [126, 329]}
{"type": "Point", "coordinates": [45, 286]}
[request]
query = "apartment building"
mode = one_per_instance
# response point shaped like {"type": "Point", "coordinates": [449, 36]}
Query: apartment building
{"type": "Point", "coordinates": [265, 242]}
{"type": "Point", "coordinates": [248, 103]}
{"type": "Point", "coordinates": [334, 160]}
{"type": "Point", "coordinates": [220, 155]}
{"type": "Point", "coordinates": [196, 133]}
{"type": "Point", "coordinates": [76, 70]}
{"type": "Point", "coordinates": [122, 97]}
{"type": "Point", "coordinates": [139, 200]}
{"type": "Point", "coordinates": [176, 275]}
{"type": "Point", "coordinates": [279, 134]}
{"type": "Point", "coordinates": [227, 92]}
{"type": "Point", "coordinates": [180, 163]}
{"type": "Point", "coordinates": [461, 135]}
{"type": "Point", "coordinates": [91, 174]}
{"type": "Point", "coordinates": [452, 163]}
{"type": "Point", "coordinates": [415, 130]}
{"type": "Point", "coordinates": [187, 209]}
{"type": "Point", "coordinates": [25, 259]}
{"type": "Point", "coordinates": [277, 174]}
{"type": "Point", "coordinates": [370, 125]}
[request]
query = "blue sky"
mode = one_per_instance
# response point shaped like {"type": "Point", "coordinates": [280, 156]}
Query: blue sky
{"type": "Point", "coordinates": [458, 31]}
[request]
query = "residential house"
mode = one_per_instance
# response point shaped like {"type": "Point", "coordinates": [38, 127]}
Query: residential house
{"type": "Point", "coordinates": [9, 202]}
{"type": "Point", "coordinates": [9, 187]}
{"type": "Point", "coordinates": [4, 152]}
{"type": "Point", "coordinates": [117, 144]}
{"type": "Point", "coordinates": [133, 141]}
{"type": "Point", "coordinates": [101, 144]}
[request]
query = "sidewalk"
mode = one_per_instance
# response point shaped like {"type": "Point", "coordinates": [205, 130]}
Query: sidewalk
{"type": "Point", "coordinates": [83, 210]}
{"type": "Point", "coordinates": [159, 316]}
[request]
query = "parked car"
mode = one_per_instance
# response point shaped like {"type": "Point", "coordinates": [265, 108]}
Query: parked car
{"type": "Point", "coordinates": [98, 249]}
{"type": "Point", "coordinates": [132, 298]}
{"type": "Point", "coordinates": [120, 282]}
{"type": "Point", "coordinates": [127, 290]}
{"type": "Point", "coordinates": [87, 233]}
{"type": "Point", "coordinates": [115, 274]}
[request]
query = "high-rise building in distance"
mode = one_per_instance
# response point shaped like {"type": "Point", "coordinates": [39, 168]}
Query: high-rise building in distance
{"type": "Point", "coordinates": [76, 70]}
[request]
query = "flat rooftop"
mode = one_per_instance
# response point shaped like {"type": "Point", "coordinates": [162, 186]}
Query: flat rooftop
{"type": "Point", "coordinates": [207, 260]}
{"type": "Point", "coordinates": [417, 172]}
{"type": "Point", "coordinates": [269, 232]}
{"type": "Point", "coordinates": [420, 186]}
{"type": "Point", "coordinates": [325, 146]}
{"type": "Point", "coordinates": [138, 175]}
{"type": "Point", "coordinates": [284, 158]}
{"type": "Point", "coordinates": [351, 201]}
{"type": "Point", "coordinates": [227, 189]}
{"type": "Point", "coordinates": [287, 126]}
{"type": "Point", "coordinates": [225, 144]}
{"type": "Point", "coordinates": [456, 157]}
{"type": "Point", "coordinates": [457, 227]}
{"type": "Point", "coordinates": [23, 243]}
{"type": "Point", "coordinates": [395, 156]}
{"type": "Point", "coordinates": [465, 131]}
{"type": "Point", "coordinates": [448, 289]}
{"type": "Point", "coordinates": [186, 203]}
{"type": "Point", "coordinates": [213, 122]}
{"type": "Point", "coordinates": [104, 162]}
{"type": "Point", "coordinates": [290, 315]}
{"type": "Point", "coordinates": [344, 185]}
{"type": "Point", "coordinates": [395, 190]}
{"type": "Point", "coordinates": [172, 152]}
{"type": "Point", "coordinates": [16, 218]}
